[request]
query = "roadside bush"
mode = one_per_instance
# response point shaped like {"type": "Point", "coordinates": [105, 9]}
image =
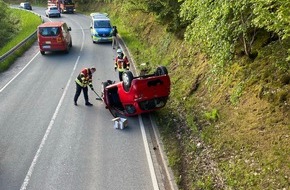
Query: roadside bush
{"type": "Point", "coordinates": [9, 24]}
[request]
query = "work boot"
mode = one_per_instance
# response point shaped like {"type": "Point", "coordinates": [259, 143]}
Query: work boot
{"type": "Point", "coordinates": [88, 104]}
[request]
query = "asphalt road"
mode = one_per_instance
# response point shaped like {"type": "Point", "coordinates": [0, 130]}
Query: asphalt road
{"type": "Point", "coordinates": [48, 143]}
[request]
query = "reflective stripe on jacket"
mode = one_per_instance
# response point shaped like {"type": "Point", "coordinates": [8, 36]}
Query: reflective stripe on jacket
{"type": "Point", "coordinates": [122, 64]}
{"type": "Point", "coordinates": [85, 78]}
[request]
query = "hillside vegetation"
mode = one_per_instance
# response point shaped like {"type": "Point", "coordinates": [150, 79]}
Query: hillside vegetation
{"type": "Point", "coordinates": [15, 26]}
{"type": "Point", "coordinates": [226, 125]}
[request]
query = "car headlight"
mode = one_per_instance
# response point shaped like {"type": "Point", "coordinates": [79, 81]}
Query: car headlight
{"type": "Point", "coordinates": [130, 109]}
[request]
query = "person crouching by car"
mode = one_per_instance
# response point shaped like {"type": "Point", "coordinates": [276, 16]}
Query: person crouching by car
{"type": "Point", "coordinates": [121, 63]}
{"type": "Point", "coordinates": [83, 80]}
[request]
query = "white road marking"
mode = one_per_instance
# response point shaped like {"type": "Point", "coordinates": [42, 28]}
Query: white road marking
{"type": "Point", "coordinates": [47, 132]}
{"type": "Point", "coordinates": [37, 155]}
{"type": "Point", "coordinates": [18, 73]}
{"type": "Point", "coordinates": [157, 135]}
{"type": "Point", "coordinates": [149, 158]}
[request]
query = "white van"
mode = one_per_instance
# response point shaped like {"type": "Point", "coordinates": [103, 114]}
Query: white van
{"type": "Point", "coordinates": [25, 5]}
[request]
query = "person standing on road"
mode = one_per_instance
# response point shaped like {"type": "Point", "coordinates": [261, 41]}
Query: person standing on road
{"type": "Point", "coordinates": [114, 37]}
{"type": "Point", "coordinates": [121, 63]}
{"type": "Point", "coordinates": [83, 80]}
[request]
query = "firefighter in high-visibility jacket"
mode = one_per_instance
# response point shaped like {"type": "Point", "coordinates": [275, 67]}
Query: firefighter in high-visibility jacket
{"type": "Point", "coordinates": [121, 63]}
{"type": "Point", "coordinates": [83, 80]}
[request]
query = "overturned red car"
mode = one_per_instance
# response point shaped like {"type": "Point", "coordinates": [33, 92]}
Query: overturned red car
{"type": "Point", "coordinates": [137, 95]}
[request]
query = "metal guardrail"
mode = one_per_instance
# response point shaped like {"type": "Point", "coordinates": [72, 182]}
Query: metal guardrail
{"type": "Point", "coordinates": [21, 44]}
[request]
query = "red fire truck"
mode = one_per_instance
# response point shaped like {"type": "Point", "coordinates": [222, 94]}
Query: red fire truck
{"type": "Point", "coordinates": [64, 6]}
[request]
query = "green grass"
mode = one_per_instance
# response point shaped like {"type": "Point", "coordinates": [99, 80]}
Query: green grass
{"type": "Point", "coordinates": [28, 23]}
{"type": "Point", "coordinates": [222, 129]}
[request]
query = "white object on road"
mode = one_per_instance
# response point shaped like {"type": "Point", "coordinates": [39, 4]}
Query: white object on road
{"type": "Point", "coordinates": [120, 123]}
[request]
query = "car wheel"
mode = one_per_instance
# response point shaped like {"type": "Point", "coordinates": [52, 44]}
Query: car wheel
{"type": "Point", "coordinates": [161, 70]}
{"type": "Point", "coordinates": [59, 15]}
{"type": "Point", "coordinates": [70, 44]}
{"type": "Point", "coordinates": [42, 52]}
{"type": "Point", "coordinates": [127, 80]}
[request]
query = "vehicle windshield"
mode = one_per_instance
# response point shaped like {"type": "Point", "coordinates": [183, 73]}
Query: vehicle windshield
{"type": "Point", "coordinates": [68, 2]}
{"type": "Point", "coordinates": [102, 24]}
{"type": "Point", "coordinates": [53, 8]}
{"type": "Point", "coordinates": [49, 31]}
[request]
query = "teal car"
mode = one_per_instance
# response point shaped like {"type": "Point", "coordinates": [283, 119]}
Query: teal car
{"type": "Point", "coordinates": [101, 28]}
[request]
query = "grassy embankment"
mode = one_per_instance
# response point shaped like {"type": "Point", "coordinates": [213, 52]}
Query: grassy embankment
{"type": "Point", "coordinates": [222, 130]}
{"type": "Point", "coordinates": [226, 130]}
{"type": "Point", "coordinates": [27, 25]}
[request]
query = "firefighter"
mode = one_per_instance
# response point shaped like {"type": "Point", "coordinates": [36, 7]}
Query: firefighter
{"type": "Point", "coordinates": [83, 80]}
{"type": "Point", "coordinates": [121, 63]}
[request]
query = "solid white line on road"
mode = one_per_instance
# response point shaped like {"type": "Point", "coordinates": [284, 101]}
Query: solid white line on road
{"type": "Point", "coordinates": [18, 73]}
{"type": "Point", "coordinates": [149, 158]}
{"type": "Point", "coordinates": [31, 168]}
{"type": "Point", "coordinates": [167, 169]}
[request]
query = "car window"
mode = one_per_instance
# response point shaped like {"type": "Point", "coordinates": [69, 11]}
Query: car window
{"type": "Point", "coordinates": [68, 2]}
{"type": "Point", "coordinates": [49, 31]}
{"type": "Point", "coordinates": [102, 24]}
{"type": "Point", "coordinates": [25, 5]}
{"type": "Point", "coordinates": [53, 8]}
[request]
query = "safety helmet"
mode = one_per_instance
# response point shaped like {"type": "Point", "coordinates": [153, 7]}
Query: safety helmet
{"type": "Point", "coordinates": [119, 51]}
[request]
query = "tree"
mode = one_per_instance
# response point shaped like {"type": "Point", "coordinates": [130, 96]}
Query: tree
{"type": "Point", "coordinates": [8, 24]}
{"type": "Point", "coordinates": [217, 26]}
{"type": "Point", "coordinates": [166, 11]}
{"type": "Point", "coordinates": [274, 16]}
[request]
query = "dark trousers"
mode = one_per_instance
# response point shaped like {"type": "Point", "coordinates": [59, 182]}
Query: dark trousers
{"type": "Point", "coordinates": [78, 92]}
{"type": "Point", "coordinates": [120, 75]}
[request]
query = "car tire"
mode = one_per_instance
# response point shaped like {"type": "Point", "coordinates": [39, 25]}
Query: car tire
{"type": "Point", "coordinates": [42, 52]}
{"type": "Point", "coordinates": [70, 44]}
{"type": "Point", "coordinates": [127, 80]}
{"type": "Point", "coordinates": [161, 70]}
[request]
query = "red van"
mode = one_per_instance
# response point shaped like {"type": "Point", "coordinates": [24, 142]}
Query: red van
{"type": "Point", "coordinates": [54, 36]}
